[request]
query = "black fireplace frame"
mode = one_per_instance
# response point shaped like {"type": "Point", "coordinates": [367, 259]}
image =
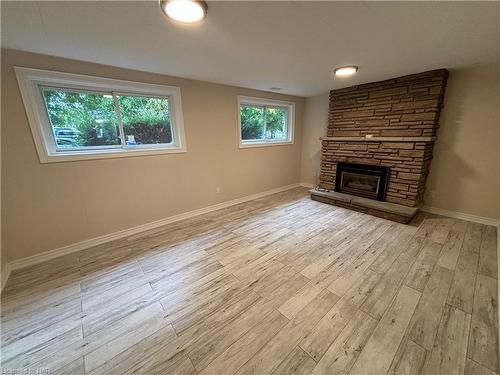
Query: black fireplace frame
{"type": "Point", "coordinates": [373, 170]}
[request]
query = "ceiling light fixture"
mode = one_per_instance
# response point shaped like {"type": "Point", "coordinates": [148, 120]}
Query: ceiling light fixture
{"type": "Point", "coordinates": [345, 71]}
{"type": "Point", "coordinates": [185, 11]}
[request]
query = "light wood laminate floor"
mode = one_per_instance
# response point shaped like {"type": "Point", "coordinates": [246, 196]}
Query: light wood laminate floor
{"type": "Point", "coordinates": [280, 285]}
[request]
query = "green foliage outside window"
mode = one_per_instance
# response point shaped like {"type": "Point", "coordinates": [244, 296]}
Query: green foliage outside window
{"type": "Point", "coordinates": [252, 122]}
{"type": "Point", "coordinates": [276, 123]}
{"type": "Point", "coordinates": [94, 121]}
{"type": "Point", "coordinates": [259, 123]}
{"type": "Point", "coordinates": [147, 119]}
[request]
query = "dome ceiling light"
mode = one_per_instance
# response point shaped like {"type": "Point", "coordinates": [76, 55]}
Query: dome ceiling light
{"type": "Point", "coordinates": [185, 11]}
{"type": "Point", "coordinates": [345, 71]}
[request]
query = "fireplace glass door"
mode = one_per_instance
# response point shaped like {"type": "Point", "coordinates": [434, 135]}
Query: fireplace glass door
{"type": "Point", "coordinates": [368, 181]}
{"type": "Point", "coordinates": [360, 184]}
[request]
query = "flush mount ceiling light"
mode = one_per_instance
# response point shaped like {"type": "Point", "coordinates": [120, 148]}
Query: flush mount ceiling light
{"type": "Point", "coordinates": [345, 71]}
{"type": "Point", "coordinates": [185, 11]}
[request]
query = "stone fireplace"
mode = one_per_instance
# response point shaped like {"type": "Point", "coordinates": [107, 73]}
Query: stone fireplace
{"type": "Point", "coordinates": [390, 124]}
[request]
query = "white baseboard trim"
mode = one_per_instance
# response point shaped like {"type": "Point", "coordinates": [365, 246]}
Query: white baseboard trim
{"type": "Point", "coordinates": [462, 216]}
{"type": "Point", "coordinates": [68, 249]}
{"type": "Point", "coordinates": [307, 185]}
{"type": "Point", "coordinates": [4, 276]}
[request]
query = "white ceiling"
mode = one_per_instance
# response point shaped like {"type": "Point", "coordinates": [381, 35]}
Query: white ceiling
{"type": "Point", "coordinates": [293, 45]}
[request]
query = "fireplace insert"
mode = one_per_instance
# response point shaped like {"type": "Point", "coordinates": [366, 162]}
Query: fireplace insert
{"type": "Point", "coordinates": [369, 181]}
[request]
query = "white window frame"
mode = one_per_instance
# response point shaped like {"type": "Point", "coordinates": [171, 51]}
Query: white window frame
{"type": "Point", "coordinates": [32, 80]}
{"type": "Point", "coordinates": [261, 102]}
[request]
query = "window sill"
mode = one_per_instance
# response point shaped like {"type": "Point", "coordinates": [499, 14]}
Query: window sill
{"type": "Point", "coordinates": [106, 154]}
{"type": "Point", "coordinates": [265, 144]}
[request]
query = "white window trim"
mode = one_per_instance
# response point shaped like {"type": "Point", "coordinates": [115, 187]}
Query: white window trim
{"type": "Point", "coordinates": [30, 80]}
{"type": "Point", "coordinates": [266, 102]}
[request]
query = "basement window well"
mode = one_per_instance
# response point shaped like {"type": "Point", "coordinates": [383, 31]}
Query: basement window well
{"type": "Point", "coordinates": [74, 117]}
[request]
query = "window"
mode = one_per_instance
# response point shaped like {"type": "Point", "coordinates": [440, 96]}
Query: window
{"type": "Point", "coordinates": [83, 117]}
{"type": "Point", "coordinates": [265, 122]}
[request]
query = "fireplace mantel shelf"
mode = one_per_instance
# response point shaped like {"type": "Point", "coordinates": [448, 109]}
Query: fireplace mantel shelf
{"type": "Point", "coordinates": [380, 139]}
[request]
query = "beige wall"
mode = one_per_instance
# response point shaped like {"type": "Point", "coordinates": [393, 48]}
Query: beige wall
{"type": "Point", "coordinates": [47, 206]}
{"type": "Point", "coordinates": [3, 252]}
{"type": "Point", "coordinates": [315, 123]}
{"type": "Point", "coordinates": [465, 171]}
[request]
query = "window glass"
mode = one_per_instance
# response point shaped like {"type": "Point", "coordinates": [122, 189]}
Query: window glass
{"type": "Point", "coordinates": [146, 120]}
{"type": "Point", "coordinates": [252, 122]}
{"type": "Point", "coordinates": [276, 123]}
{"type": "Point", "coordinates": [82, 120]}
